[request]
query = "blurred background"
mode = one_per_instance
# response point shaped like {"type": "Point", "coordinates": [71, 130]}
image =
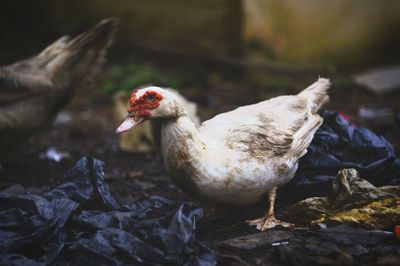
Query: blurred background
{"type": "Point", "coordinates": [308, 32]}
{"type": "Point", "coordinates": [219, 54]}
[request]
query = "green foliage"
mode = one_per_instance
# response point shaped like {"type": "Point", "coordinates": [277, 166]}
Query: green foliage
{"type": "Point", "coordinates": [133, 75]}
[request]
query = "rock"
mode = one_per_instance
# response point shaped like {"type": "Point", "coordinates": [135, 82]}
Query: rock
{"type": "Point", "coordinates": [380, 80]}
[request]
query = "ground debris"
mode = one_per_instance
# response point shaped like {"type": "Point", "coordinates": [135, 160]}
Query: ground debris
{"type": "Point", "coordinates": [54, 154]}
{"type": "Point", "coordinates": [340, 245]}
{"type": "Point", "coordinates": [352, 200]}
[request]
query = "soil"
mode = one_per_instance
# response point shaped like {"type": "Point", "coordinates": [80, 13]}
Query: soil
{"type": "Point", "coordinates": [132, 176]}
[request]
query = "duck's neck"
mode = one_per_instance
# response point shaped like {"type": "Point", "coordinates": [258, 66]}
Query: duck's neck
{"type": "Point", "coordinates": [180, 142]}
{"type": "Point", "coordinates": [183, 153]}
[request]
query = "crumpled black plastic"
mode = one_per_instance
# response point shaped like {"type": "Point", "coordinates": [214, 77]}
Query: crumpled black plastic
{"type": "Point", "coordinates": [338, 144]}
{"type": "Point", "coordinates": [81, 223]}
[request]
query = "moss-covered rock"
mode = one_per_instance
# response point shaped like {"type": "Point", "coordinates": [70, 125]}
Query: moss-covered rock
{"type": "Point", "coordinates": [352, 200]}
{"type": "Point", "coordinates": [380, 214]}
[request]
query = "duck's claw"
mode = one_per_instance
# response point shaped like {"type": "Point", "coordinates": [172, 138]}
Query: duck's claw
{"type": "Point", "coordinates": [268, 222]}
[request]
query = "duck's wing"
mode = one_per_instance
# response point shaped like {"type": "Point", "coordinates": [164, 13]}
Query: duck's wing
{"type": "Point", "coordinates": [22, 80]}
{"type": "Point", "coordinates": [280, 127]}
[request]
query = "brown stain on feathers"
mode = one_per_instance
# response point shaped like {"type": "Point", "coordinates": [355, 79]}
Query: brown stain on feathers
{"type": "Point", "coordinates": [298, 106]}
{"type": "Point", "coordinates": [180, 166]}
{"type": "Point", "coordinates": [182, 179]}
{"type": "Point", "coordinates": [283, 169]}
{"type": "Point", "coordinates": [182, 172]}
{"type": "Point", "coordinates": [228, 182]}
{"type": "Point", "coordinates": [267, 140]}
{"type": "Point", "coordinates": [263, 118]}
{"type": "Point", "coordinates": [262, 141]}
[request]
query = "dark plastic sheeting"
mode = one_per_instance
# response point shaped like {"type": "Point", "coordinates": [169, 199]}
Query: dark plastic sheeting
{"type": "Point", "coordinates": [336, 145]}
{"type": "Point", "coordinates": [81, 223]}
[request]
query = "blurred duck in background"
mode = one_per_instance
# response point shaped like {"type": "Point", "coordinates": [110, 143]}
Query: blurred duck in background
{"type": "Point", "coordinates": [34, 90]}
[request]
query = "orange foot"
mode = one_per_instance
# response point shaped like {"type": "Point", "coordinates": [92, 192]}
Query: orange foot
{"type": "Point", "coordinates": [268, 222]}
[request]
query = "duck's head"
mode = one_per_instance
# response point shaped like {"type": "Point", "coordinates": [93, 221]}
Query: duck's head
{"type": "Point", "coordinates": [150, 103]}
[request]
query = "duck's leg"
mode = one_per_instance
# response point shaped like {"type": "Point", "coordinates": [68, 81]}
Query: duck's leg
{"type": "Point", "coordinates": [269, 220]}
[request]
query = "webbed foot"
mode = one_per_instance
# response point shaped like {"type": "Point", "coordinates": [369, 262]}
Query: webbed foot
{"type": "Point", "coordinates": [268, 222]}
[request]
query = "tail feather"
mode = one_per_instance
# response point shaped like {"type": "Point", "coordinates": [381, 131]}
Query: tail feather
{"type": "Point", "coordinates": [98, 39]}
{"type": "Point", "coordinates": [304, 136]}
{"type": "Point", "coordinates": [317, 94]}
{"type": "Point", "coordinates": [61, 65]}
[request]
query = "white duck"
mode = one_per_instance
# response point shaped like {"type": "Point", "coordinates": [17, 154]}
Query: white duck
{"type": "Point", "coordinates": [238, 156]}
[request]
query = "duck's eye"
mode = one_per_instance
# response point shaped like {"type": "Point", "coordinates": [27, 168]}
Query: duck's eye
{"type": "Point", "coordinates": [151, 98]}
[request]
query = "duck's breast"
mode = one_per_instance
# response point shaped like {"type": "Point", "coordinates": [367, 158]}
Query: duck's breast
{"type": "Point", "coordinates": [240, 182]}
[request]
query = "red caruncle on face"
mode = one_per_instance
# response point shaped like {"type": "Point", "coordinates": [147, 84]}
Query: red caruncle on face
{"type": "Point", "coordinates": [143, 105]}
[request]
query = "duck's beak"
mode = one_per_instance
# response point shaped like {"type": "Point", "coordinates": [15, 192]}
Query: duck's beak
{"type": "Point", "coordinates": [129, 123]}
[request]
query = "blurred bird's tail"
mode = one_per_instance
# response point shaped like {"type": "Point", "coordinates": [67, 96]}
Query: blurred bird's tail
{"type": "Point", "coordinates": [86, 51]}
{"type": "Point", "coordinates": [64, 62]}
